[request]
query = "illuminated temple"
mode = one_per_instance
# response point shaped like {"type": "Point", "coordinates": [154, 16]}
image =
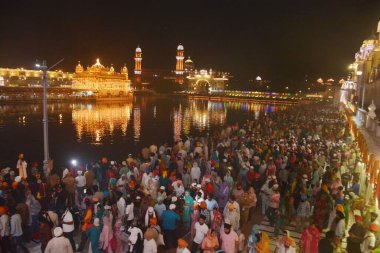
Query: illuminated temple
{"type": "Point", "coordinates": [101, 81]}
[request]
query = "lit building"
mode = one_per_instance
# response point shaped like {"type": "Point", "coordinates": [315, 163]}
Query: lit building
{"type": "Point", "coordinates": [101, 81]}
{"type": "Point", "coordinates": [179, 68]}
{"type": "Point", "coordinates": [189, 65]}
{"type": "Point", "coordinates": [204, 82]}
{"type": "Point", "coordinates": [33, 78]}
{"type": "Point", "coordinates": [138, 68]}
{"type": "Point", "coordinates": [363, 85]}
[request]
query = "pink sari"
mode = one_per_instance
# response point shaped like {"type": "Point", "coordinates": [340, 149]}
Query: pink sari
{"type": "Point", "coordinates": [310, 238]}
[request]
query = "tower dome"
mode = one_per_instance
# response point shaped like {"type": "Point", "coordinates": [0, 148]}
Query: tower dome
{"type": "Point", "coordinates": [180, 47]}
{"type": "Point", "coordinates": [138, 49]}
{"type": "Point", "coordinates": [124, 69]}
{"type": "Point", "coordinates": [78, 68]}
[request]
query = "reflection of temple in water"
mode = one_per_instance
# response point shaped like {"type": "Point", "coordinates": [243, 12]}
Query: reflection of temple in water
{"type": "Point", "coordinates": [201, 115]}
{"type": "Point", "coordinates": [137, 123]}
{"type": "Point", "coordinates": [101, 120]}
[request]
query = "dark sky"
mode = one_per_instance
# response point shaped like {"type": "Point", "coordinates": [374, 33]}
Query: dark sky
{"type": "Point", "coordinates": [277, 39]}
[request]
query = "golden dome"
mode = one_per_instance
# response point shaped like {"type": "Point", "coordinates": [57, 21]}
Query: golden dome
{"type": "Point", "coordinates": [97, 65]}
{"type": "Point", "coordinates": [78, 68]}
{"type": "Point", "coordinates": [188, 60]}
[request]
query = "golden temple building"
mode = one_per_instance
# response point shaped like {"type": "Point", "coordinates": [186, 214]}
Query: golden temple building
{"type": "Point", "coordinates": [101, 81]}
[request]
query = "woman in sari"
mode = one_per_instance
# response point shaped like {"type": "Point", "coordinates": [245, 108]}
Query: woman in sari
{"type": "Point", "coordinates": [210, 242]}
{"type": "Point", "coordinates": [187, 209]}
{"type": "Point", "coordinates": [194, 219]}
{"type": "Point", "coordinates": [224, 195]}
{"type": "Point", "coordinates": [106, 236]}
{"type": "Point", "coordinates": [310, 238]}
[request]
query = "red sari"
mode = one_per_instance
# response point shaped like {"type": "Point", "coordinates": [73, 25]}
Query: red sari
{"type": "Point", "coordinates": [309, 239]}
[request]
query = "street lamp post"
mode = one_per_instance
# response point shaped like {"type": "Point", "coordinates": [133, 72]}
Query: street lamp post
{"type": "Point", "coordinates": [45, 121]}
{"type": "Point", "coordinates": [45, 118]}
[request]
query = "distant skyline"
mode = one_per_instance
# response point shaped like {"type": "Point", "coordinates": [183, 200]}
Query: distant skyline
{"type": "Point", "coordinates": [277, 39]}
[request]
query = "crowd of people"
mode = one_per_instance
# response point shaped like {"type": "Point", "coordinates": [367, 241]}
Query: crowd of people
{"type": "Point", "coordinates": [299, 166]}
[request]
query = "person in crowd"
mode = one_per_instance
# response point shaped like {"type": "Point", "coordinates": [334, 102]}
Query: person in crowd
{"type": "Point", "coordinates": [229, 239]}
{"type": "Point", "coordinates": [369, 241]}
{"type": "Point", "coordinates": [201, 230]}
{"type": "Point", "coordinates": [16, 232]}
{"type": "Point", "coordinates": [356, 234]}
{"type": "Point", "coordinates": [68, 227]}
{"type": "Point", "coordinates": [182, 246]}
{"type": "Point", "coordinates": [59, 244]}
{"type": "Point", "coordinates": [326, 245]}
{"type": "Point", "coordinates": [5, 238]}
{"type": "Point", "coordinates": [170, 221]}
{"type": "Point", "coordinates": [310, 239]}
{"type": "Point", "coordinates": [210, 243]}
{"type": "Point", "coordinates": [150, 245]}
{"type": "Point", "coordinates": [93, 234]}
{"type": "Point", "coordinates": [187, 209]}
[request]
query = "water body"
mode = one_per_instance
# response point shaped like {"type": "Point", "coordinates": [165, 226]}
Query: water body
{"type": "Point", "coordinates": [86, 132]}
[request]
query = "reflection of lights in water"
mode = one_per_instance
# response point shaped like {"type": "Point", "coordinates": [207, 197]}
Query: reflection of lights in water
{"type": "Point", "coordinates": [202, 115]}
{"type": "Point", "coordinates": [177, 124]}
{"type": "Point", "coordinates": [154, 111]}
{"type": "Point", "coordinates": [100, 120]}
{"type": "Point", "coordinates": [60, 118]}
{"type": "Point", "coordinates": [257, 114]}
{"type": "Point", "coordinates": [22, 120]}
{"type": "Point", "coordinates": [137, 123]}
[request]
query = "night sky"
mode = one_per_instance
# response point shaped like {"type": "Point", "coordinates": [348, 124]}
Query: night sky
{"type": "Point", "coordinates": [277, 39]}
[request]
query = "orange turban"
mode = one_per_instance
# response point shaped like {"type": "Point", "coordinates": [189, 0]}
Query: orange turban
{"type": "Point", "coordinates": [374, 227]}
{"type": "Point", "coordinates": [288, 241]}
{"type": "Point", "coordinates": [340, 208]}
{"type": "Point", "coordinates": [203, 205]}
{"type": "Point", "coordinates": [153, 221]}
{"type": "Point", "coordinates": [132, 184]}
{"type": "Point", "coordinates": [4, 184]}
{"type": "Point", "coordinates": [231, 207]}
{"type": "Point", "coordinates": [325, 188]}
{"type": "Point", "coordinates": [182, 243]}
{"type": "Point", "coordinates": [14, 185]}
{"type": "Point", "coordinates": [3, 210]}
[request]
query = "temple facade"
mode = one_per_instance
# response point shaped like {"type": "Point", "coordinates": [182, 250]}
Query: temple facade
{"type": "Point", "coordinates": [101, 81]}
{"type": "Point", "coordinates": [364, 78]}
{"type": "Point", "coordinates": [20, 77]}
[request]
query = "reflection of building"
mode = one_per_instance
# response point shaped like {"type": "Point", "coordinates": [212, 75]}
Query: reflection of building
{"type": "Point", "coordinates": [201, 114]}
{"type": "Point", "coordinates": [365, 71]}
{"type": "Point", "coordinates": [177, 123]}
{"type": "Point", "coordinates": [30, 78]}
{"type": "Point", "coordinates": [101, 81]}
{"type": "Point", "coordinates": [137, 123]}
{"type": "Point", "coordinates": [203, 82]}
{"type": "Point", "coordinates": [101, 120]}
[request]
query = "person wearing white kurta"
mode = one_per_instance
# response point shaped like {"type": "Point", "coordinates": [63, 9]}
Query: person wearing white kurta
{"type": "Point", "coordinates": [195, 172]}
{"type": "Point", "coordinates": [21, 166]}
{"type": "Point", "coordinates": [150, 246]}
{"type": "Point", "coordinates": [58, 244]}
